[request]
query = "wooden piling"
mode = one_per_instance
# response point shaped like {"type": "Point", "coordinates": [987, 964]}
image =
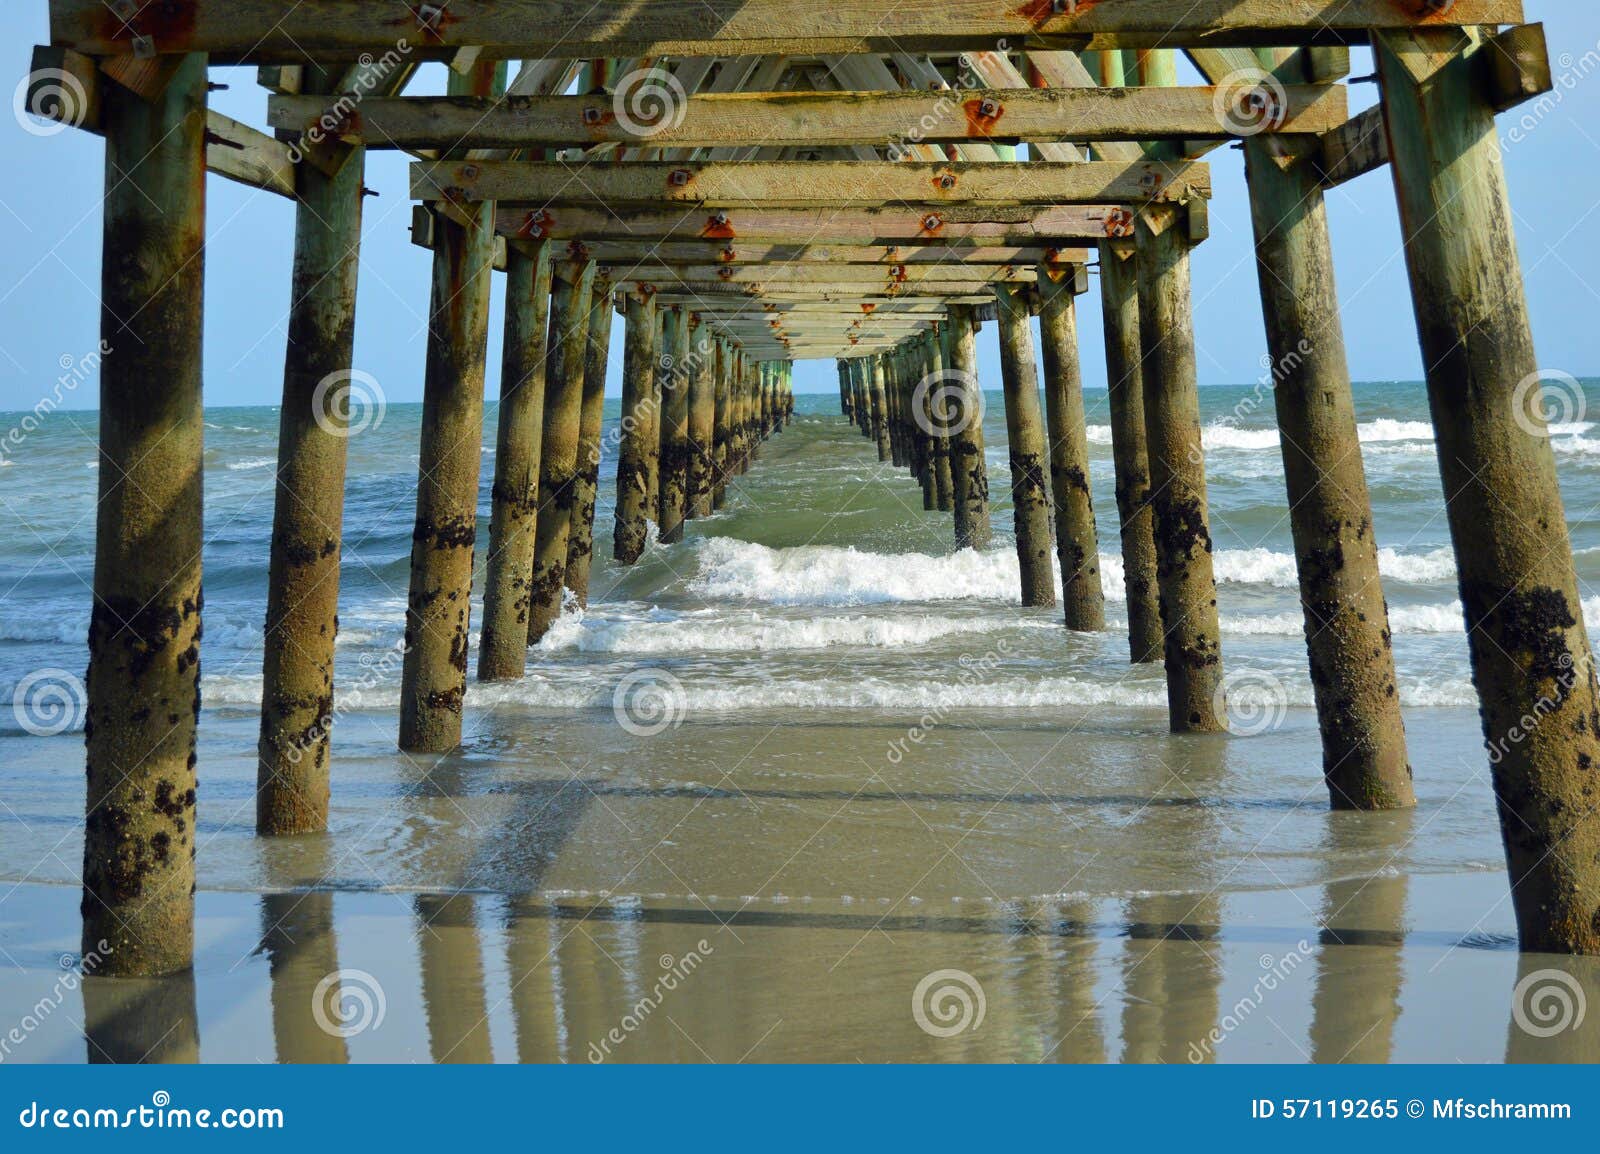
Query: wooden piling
{"type": "Point", "coordinates": [1525, 630]}
{"type": "Point", "coordinates": [969, 471]}
{"type": "Point", "coordinates": [580, 538]}
{"type": "Point", "coordinates": [1119, 309]}
{"type": "Point", "coordinates": [637, 455]}
{"type": "Point", "coordinates": [720, 433]}
{"type": "Point", "coordinates": [674, 450]}
{"type": "Point", "coordinates": [320, 392]}
{"type": "Point", "coordinates": [514, 500]}
{"type": "Point", "coordinates": [941, 413]}
{"type": "Point", "coordinates": [1030, 496]}
{"type": "Point", "coordinates": [566, 357]}
{"type": "Point", "coordinates": [144, 630]}
{"type": "Point", "coordinates": [434, 672]}
{"type": "Point", "coordinates": [1330, 513]}
{"type": "Point", "coordinates": [880, 408]}
{"type": "Point", "coordinates": [703, 425]}
{"type": "Point", "coordinates": [1077, 543]}
{"type": "Point", "coordinates": [1184, 577]}
{"type": "Point", "coordinates": [433, 676]}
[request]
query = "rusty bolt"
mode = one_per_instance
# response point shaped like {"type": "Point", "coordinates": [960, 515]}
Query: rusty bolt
{"type": "Point", "coordinates": [932, 221]}
{"type": "Point", "coordinates": [127, 9]}
{"type": "Point", "coordinates": [720, 219]}
{"type": "Point", "coordinates": [727, 254]}
{"type": "Point", "coordinates": [679, 177]}
{"type": "Point", "coordinates": [988, 108]}
{"type": "Point", "coordinates": [1064, 7]}
{"type": "Point", "coordinates": [947, 180]}
{"type": "Point", "coordinates": [430, 16]}
{"type": "Point", "coordinates": [469, 172]}
{"type": "Point", "coordinates": [592, 115]}
{"type": "Point", "coordinates": [144, 47]}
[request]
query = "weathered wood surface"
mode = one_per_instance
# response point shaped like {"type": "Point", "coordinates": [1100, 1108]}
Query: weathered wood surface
{"type": "Point", "coordinates": [1358, 146]}
{"type": "Point", "coordinates": [809, 183]}
{"type": "Point", "coordinates": [261, 31]}
{"type": "Point", "coordinates": [779, 273]}
{"type": "Point", "coordinates": [613, 252]}
{"type": "Point", "coordinates": [1529, 645]}
{"type": "Point", "coordinates": [233, 150]}
{"type": "Point", "coordinates": [806, 119]}
{"type": "Point", "coordinates": [960, 225]}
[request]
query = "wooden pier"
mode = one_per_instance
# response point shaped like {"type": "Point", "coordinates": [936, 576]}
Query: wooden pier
{"type": "Point", "coordinates": [748, 183]}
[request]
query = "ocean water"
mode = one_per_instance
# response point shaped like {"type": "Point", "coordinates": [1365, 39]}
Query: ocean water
{"type": "Point", "coordinates": [816, 714]}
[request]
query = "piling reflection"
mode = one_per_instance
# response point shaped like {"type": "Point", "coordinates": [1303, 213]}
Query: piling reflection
{"type": "Point", "coordinates": [1555, 1010]}
{"type": "Point", "coordinates": [1171, 961]}
{"type": "Point", "coordinates": [129, 1021]}
{"type": "Point", "coordinates": [297, 937]}
{"type": "Point", "coordinates": [452, 979]}
{"type": "Point", "coordinates": [1355, 1001]}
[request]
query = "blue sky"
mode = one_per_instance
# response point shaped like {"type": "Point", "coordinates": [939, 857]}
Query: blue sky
{"type": "Point", "coordinates": [49, 264]}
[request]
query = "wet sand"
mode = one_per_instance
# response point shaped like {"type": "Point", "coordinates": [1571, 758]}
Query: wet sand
{"type": "Point", "coordinates": [1374, 971]}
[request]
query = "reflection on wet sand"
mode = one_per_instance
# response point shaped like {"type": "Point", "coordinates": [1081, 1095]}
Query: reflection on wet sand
{"type": "Point", "coordinates": [452, 979]}
{"type": "Point", "coordinates": [141, 1020]}
{"type": "Point", "coordinates": [1356, 999]}
{"type": "Point", "coordinates": [298, 939]}
{"type": "Point", "coordinates": [1053, 980]}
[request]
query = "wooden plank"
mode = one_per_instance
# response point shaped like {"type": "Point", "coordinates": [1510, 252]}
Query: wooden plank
{"type": "Point", "coordinates": [809, 183]}
{"type": "Point", "coordinates": [960, 225]}
{"type": "Point", "coordinates": [263, 31]}
{"type": "Point", "coordinates": [814, 119]}
{"type": "Point", "coordinates": [1355, 148]}
{"type": "Point", "coordinates": [65, 86]}
{"type": "Point", "coordinates": [803, 290]}
{"type": "Point", "coordinates": [811, 272]}
{"type": "Point", "coordinates": [247, 156]}
{"type": "Point", "coordinates": [727, 252]}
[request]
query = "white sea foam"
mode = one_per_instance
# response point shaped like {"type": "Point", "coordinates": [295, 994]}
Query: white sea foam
{"type": "Point", "coordinates": [730, 569]}
{"type": "Point", "coordinates": [715, 693]}
{"type": "Point", "coordinates": [252, 463]}
{"type": "Point", "coordinates": [603, 630]}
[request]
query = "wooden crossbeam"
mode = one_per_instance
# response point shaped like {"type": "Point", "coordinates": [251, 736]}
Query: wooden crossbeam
{"type": "Point", "coordinates": [949, 225]}
{"type": "Point", "coordinates": [809, 183]}
{"type": "Point", "coordinates": [775, 275]}
{"type": "Point", "coordinates": [613, 252]}
{"type": "Point", "coordinates": [265, 31]}
{"type": "Point", "coordinates": [65, 85]}
{"type": "Point", "coordinates": [810, 119]}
